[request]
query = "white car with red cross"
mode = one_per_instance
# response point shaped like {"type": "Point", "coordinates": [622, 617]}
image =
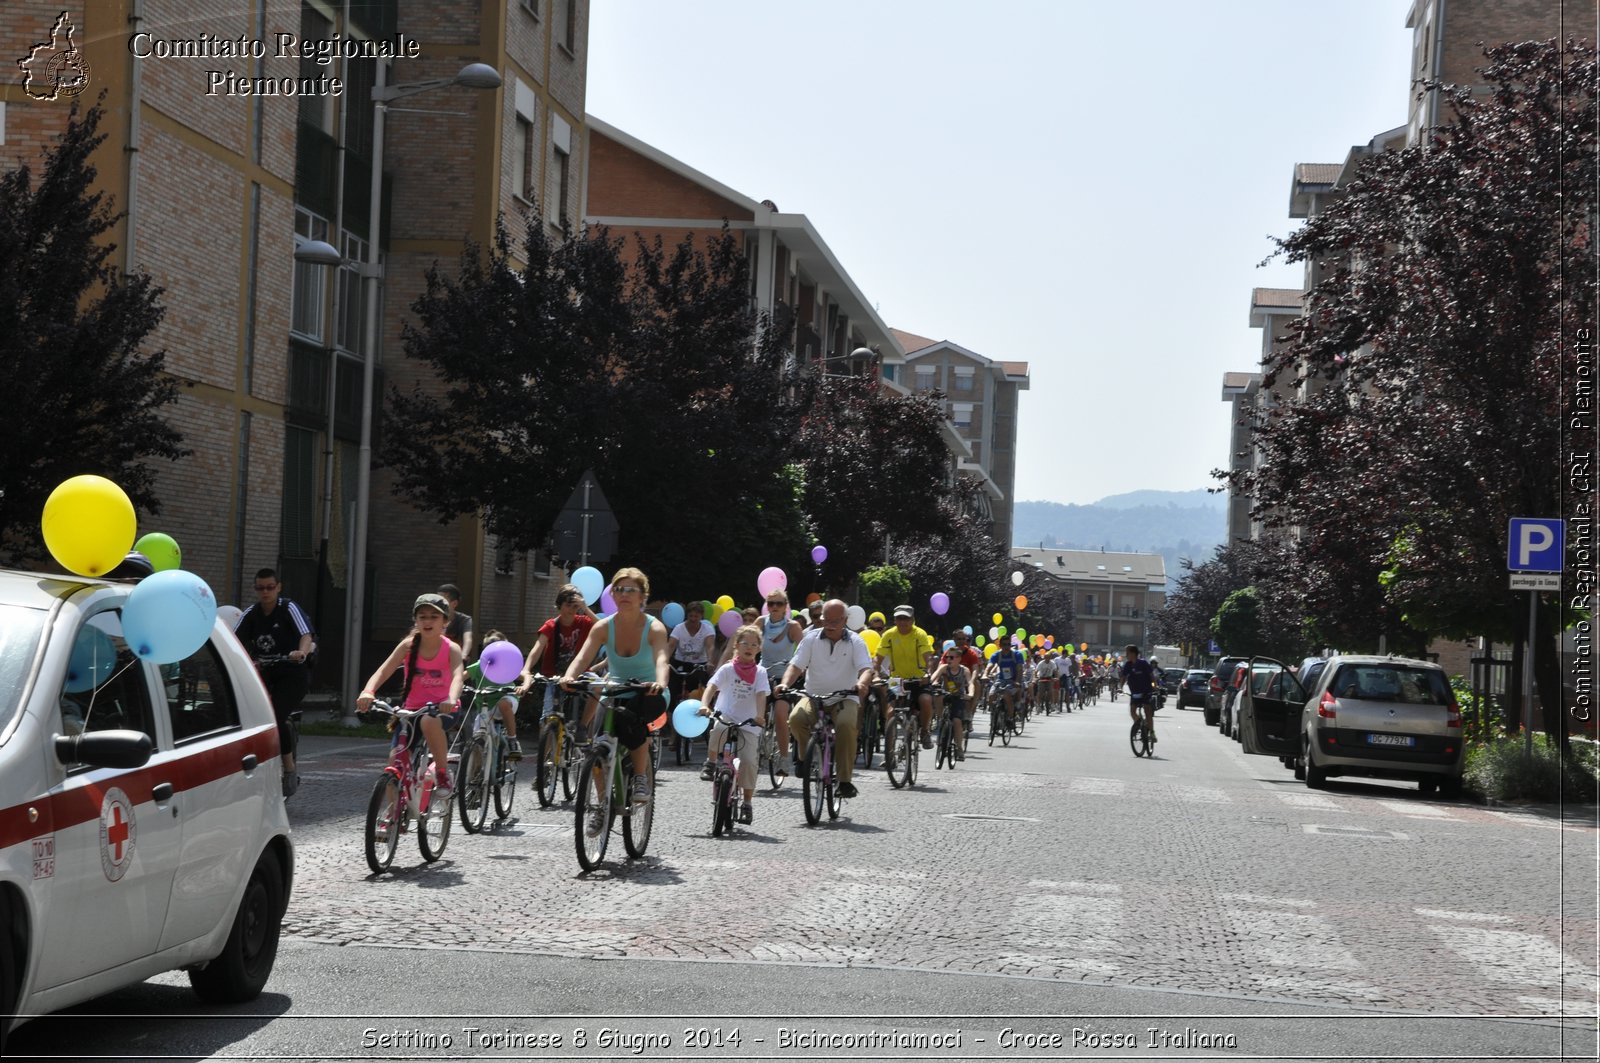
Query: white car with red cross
{"type": "Point", "coordinates": [142, 823]}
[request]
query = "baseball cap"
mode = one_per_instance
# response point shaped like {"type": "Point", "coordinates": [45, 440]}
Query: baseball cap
{"type": "Point", "coordinates": [903, 610]}
{"type": "Point", "coordinates": [432, 601]}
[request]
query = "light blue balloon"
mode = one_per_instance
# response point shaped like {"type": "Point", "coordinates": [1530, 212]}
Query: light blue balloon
{"type": "Point", "coordinates": [672, 615]}
{"type": "Point", "coordinates": [93, 657]}
{"type": "Point", "coordinates": [590, 583]}
{"type": "Point", "coordinates": [967, 629]}
{"type": "Point", "coordinates": [168, 616]}
{"type": "Point", "coordinates": [949, 644]}
{"type": "Point", "coordinates": [687, 721]}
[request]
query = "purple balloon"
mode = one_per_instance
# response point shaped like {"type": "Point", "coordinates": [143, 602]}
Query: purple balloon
{"type": "Point", "coordinates": [501, 662]}
{"type": "Point", "coordinates": [819, 554]}
{"type": "Point", "coordinates": [608, 604]}
{"type": "Point", "coordinates": [940, 602]}
{"type": "Point", "coordinates": [730, 622]}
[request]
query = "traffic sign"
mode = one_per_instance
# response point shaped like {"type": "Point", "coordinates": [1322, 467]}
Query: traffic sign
{"type": "Point", "coordinates": [1535, 545]}
{"type": "Point", "coordinates": [585, 530]}
{"type": "Point", "coordinates": [1535, 581]}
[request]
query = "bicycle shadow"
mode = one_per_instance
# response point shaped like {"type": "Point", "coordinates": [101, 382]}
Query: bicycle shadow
{"type": "Point", "coordinates": [444, 874]}
{"type": "Point", "coordinates": [647, 870]}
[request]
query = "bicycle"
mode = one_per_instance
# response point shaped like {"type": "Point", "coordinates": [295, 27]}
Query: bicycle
{"type": "Point", "coordinates": [404, 790]}
{"type": "Point", "coordinates": [819, 781]}
{"type": "Point", "coordinates": [902, 741]}
{"type": "Point", "coordinates": [486, 765]}
{"type": "Point", "coordinates": [558, 746]}
{"type": "Point", "coordinates": [291, 718]}
{"type": "Point", "coordinates": [683, 674]}
{"type": "Point", "coordinates": [606, 760]}
{"type": "Point", "coordinates": [1002, 721]}
{"type": "Point", "coordinates": [725, 794]}
{"type": "Point", "coordinates": [1139, 738]}
{"type": "Point", "coordinates": [945, 757]}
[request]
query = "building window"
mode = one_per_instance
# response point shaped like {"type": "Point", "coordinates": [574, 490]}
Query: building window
{"type": "Point", "coordinates": [315, 110]}
{"type": "Point", "coordinates": [961, 414]}
{"type": "Point", "coordinates": [310, 280]}
{"type": "Point", "coordinates": [349, 296]}
{"type": "Point", "coordinates": [299, 493]}
{"type": "Point", "coordinates": [556, 208]}
{"type": "Point", "coordinates": [532, 8]}
{"type": "Point", "coordinates": [569, 27]}
{"type": "Point", "coordinates": [522, 160]}
{"type": "Point", "coordinates": [1090, 605]}
{"type": "Point", "coordinates": [924, 378]}
{"type": "Point", "coordinates": [963, 379]}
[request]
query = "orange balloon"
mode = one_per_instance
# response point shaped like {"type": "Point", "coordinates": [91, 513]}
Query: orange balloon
{"type": "Point", "coordinates": [1021, 603]}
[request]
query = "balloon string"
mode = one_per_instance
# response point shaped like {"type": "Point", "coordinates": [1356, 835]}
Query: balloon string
{"type": "Point", "coordinates": [95, 693]}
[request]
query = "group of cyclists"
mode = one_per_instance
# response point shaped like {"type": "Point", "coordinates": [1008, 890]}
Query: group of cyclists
{"type": "Point", "coordinates": [774, 663]}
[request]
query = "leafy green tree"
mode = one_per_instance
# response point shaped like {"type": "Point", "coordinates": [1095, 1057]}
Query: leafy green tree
{"type": "Point", "coordinates": [652, 370]}
{"type": "Point", "coordinates": [84, 393]}
{"type": "Point", "coordinates": [1237, 625]}
{"type": "Point", "coordinates": [1448, 270]}
{"type": "Point", "coordinates": [882, 588]}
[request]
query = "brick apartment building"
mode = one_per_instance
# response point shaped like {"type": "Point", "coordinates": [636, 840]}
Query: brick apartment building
{"type": "Point", "coordinates": [1114, 595]}
{"type": "Point", "coordinates": [220, 188]}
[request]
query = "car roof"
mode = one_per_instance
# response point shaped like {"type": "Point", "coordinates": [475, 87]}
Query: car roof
{"type": "Point", "coordinates": [1373, 658]}
{"type": "Point", "coordinates": [41, 590]}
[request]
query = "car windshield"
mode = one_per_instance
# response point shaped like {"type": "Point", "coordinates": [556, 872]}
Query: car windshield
{"type": "Point", "coordinates": [1391, 682]}
{"type": "Point", "coordinates": [20, 628]}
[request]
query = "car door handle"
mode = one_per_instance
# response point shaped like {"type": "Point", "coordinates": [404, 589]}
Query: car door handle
{"type": "Point", "coordinates": [249, 762]}
{"type": "Point", "coordinates": [161, 792]}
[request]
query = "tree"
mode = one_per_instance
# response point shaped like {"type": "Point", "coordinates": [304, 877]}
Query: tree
{"type": "Point", "coordinates": [1264, 565]}
{"type": "Point", "coordinates": [882, 588]}
{"type": "Point", "coordinates": [1237, 625]}
{"type": "Point", "coordinates": [84, 395]}
{"type": "Point", "coordinates": [1449, 270]}
{"type": "Point", "coordinates": [653, 372]}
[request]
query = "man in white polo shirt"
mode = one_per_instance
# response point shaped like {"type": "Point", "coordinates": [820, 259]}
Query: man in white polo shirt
{"type": "Point", "coordinates": [833, 658]}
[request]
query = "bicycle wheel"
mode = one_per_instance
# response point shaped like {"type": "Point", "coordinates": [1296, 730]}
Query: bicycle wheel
{"type": "Point", "coordinates": [941, 743]}
{"type": "Point", "coordinates": [811, 783]}
{"type": "Point", "coordinates": [474, 785]}
{"type": "Point", "coordinates": [636, 823]}
{"type": "Point", "coordinates": [867, 746]}
{"type": "Point", "coordinates": [769, 753]}
{"type": "Point", "coordinates": [550, 768]}
{"type": "Point", "coordinates": [913, 754]}
{"type": "Point", "coordinates": [835, 799]}
{"type": "Point", "coordinates": [655, 753]}
{"type": "Point", "coordinates": [721, 811]}
{"type": "Point", "coordinates": [592, 849]}
{"type": "Point", "coordinates": [505, 784]}
{"type": "Point", "coordinates": [570, 760]}
{"type": "Point", "coordinates": [898, 742]}
{"type": "Point", "coordinates": [1139, 739]}
{"type": "Point", "coordinates": [1008, 723]}
{"type": "Point", "coordinates": [385, 816]}
{"type": "Point", "coordinates": [433, 826]}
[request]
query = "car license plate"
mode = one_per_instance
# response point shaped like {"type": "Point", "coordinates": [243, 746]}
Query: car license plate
{"type": "Point", "coordinates": [1391, 740]}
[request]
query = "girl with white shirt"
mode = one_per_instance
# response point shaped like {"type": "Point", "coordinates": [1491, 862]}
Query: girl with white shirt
{"type": "Point", "coordinates": [739, 692]}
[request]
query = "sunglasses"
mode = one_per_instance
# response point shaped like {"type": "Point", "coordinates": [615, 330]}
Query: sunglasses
{"type": "Point", "coordinates": [266, 586]}
{"type": "Point", "coordinates": [625, 590]}
{"type": "Point", "coordinates": [777, 605]}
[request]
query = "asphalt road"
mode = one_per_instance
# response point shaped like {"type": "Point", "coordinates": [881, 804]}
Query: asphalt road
{"type": "Point", "coordinates": [1201, 903]}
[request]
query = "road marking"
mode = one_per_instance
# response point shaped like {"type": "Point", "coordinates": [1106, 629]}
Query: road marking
{"type": "Point", "coordinates": [1553, 1007]}
{"type": "Point", "coordinates": [1075, 887]}
{"type": "Point", "coordinates": [1262, 898]}
{"type": "Point", "coordinates": [1289, 939]}
{"type": "Point", "coordinates": [1311, 801]}
{"type": "Point", "coordinates": [1418, 811]}
{"type": "Point", "coordinates": [1514, 956]}
{"type": "Point", "coordinates": [1204, 795]}
{"type": "Point", "coordinates": [1479, 917]}
{"type": "Point", "coordinates": [1098, 787]}
{"type": "Point", "coordinates": [1069, 923]}
{"type": "Point", "coordinates": [1081, 964]}
{"type": "Point", "coordinates": [1355, 832]}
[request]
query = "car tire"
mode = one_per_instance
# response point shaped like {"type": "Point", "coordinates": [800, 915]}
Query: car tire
{"type": "Point", "coordinates": [240, 972]}
{"type": "Point", "coordinates": [1209, 716]}
{"type": "Point", "coordinates": [1316, 778]}
{"type": "Point", "coordinates": [1427, 784]}
{"type": "Point", "coordinates": [1450, 788]}
{"type": "Point", "coordinates": [9, 968]}
{"type": "Point", "coordinates": [1299, 765]}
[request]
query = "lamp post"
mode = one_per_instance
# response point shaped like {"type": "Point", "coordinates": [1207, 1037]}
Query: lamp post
{"type": "Point", "coordinates": [472, 76]}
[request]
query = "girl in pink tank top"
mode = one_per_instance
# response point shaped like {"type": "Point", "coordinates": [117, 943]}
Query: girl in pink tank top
{"type": "Point", "coordinates": [431, 664]}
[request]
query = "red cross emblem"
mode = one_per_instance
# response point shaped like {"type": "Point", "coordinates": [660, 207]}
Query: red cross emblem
{"type": "Point", "coordinates": [118, 834]}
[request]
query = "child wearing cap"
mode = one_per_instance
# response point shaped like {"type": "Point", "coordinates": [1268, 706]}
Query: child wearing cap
{"type": "Point", "coordinates": [433, 675]}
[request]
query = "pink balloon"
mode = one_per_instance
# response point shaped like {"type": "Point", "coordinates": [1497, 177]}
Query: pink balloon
{"type": "Point", "coordinates": [771, 579]}
{"type": "Point", "coordinates": [729, 623]}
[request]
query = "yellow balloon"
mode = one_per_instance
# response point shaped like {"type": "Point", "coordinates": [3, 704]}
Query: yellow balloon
{"type": "Point", "coordinates": [998, 618]}
{"type": "Point", "coordinates": [991, 649]}
{"type": "Point", "coordinates": [725, 602]}
{"type": "Point", "coordinates": [716, 612]}
{"type": "Point", "coordinates": [872, 639]}
{"type": "Point", "coordinates": [88, 525]}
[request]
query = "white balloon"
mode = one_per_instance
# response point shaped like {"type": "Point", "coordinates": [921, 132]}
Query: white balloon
{"type": "Point", "coordinates": [1016, 579]}
{"type": "Point", "coordinates": [856, 617]}
{"type": "Point", "coordinates": [229, 615]}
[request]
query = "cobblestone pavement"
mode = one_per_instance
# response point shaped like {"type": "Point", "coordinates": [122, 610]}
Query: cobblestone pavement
{"type": "Point", "coordinates": [1062, 857]}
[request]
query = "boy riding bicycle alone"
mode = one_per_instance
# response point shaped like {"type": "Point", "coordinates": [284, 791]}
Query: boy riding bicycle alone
{"type": "Point", "coordinates": [1140, 678]}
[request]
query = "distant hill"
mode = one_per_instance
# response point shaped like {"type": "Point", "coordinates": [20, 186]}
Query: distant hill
{"type": "Point", "coordinates": [1174, 524]}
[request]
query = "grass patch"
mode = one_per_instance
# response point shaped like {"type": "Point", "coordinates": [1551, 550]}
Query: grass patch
{"type": "Point", "coordinates": [1500, 770]}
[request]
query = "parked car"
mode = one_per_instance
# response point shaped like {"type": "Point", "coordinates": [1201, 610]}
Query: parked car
{"type": "Point", "coordinates": [1217, 688]}
{"type": "Point", "coordinates": [1229, 725]}
{"type": "Point", "coordinates": [1171, 678]}
{"type": "Point", "coordinates": [146, 829]}
{"type": "Point", "coordinates": [1383, 718]}
{"type": "Point", "coordinates": [1192, 690]}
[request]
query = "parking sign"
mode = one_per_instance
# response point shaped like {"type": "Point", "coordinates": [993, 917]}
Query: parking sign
{"type": "Point", "coordinates": [1536, 544]}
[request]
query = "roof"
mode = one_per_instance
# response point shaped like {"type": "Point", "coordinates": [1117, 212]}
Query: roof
{"type": "Point", "coordinates": [1276, 297]}
{"type": "Point", "coordinates": [1096, 565]}
{"type": "Point", "coordinates": [1236, 380]}
{"type": "Point", "coordinates": [1311, 178]}
{"type": "Point", "coordinates": [919, 347]}
{"type": "Point", "coordinates": [911, 341]}
{"type": "Point", "coordinates": [1239, 385]}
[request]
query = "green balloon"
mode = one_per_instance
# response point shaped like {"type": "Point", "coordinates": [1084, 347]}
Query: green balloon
{"type": "Point", "coordinates": [980, 642]}
{"type": "Point", "coordinates": [1001, 630]}
{"type": "Point", "coordinates": [161, 549]}
{"type": "Point", "coordinates": [1022, 633]}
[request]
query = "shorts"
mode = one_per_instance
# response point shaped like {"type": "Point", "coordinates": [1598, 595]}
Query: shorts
{"type": "Point", "coordinates": [1141, 699]}
{"type": "Point", "coordinates": [632, 717]}
{"type": "Point", "coordinates": [958, 706]}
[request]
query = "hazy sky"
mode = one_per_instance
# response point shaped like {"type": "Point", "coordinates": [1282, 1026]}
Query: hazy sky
{"type": "Point", "coordinates": [1087, 187]}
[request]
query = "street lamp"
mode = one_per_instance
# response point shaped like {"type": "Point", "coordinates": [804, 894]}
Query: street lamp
{"type": "Point", "coordinates": [472, 76]}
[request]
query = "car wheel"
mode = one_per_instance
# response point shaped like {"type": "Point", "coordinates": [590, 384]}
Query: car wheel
{"type": "Point", "coordinates": [1209, 716]}
{"type": "Point", "coordinates": [1427, 785]}
{"type": "Point", "coordinates": [8, 974]}
{"type": "Point", "coordinates": [241, 971]}
{"type": "Point", "coordinates": [1450, 788]}
{"type": "Point", "coordinates": [1315, 777]}
{"type": "Point", "coordinates": [1299, 765]}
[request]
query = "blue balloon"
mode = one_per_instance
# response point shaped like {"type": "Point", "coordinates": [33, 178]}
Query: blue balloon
{"type": "Point", "coordinates": [168, 616]}
{"type": "Point", "coordinates": [967, 629]}
{"type": "Point", "coordinates": [672, 615]}
{"type": "Point", "coordinates": [949, 644]}
{"type": "Point", "coordinates": [687, 721]}
{"type": "Point", "coordinates": [590, 583]}
{"type": "Point", "coordinates": [93, 657]}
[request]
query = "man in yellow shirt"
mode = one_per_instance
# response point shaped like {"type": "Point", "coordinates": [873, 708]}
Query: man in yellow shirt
{"type": "Point", "coordinates": [909, 651]}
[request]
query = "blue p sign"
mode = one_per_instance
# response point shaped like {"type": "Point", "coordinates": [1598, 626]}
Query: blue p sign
{"type": "Point", "coordinates": [1536, 545]}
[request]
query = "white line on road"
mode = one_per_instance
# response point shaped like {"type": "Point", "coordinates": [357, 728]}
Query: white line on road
{"type": "Point", "coordinates": [1311, 801]}
{"type": "Point", "coordinates": [1479, 917]}
{"type": "Point", "coordinates": [1513, 956]}
{"type": "Point", "coordinates": [1098, 787]}
{"type": "Point", "coordinates": [1262, 898]}
{"type": "Point", "coordinates": [1418, 811]}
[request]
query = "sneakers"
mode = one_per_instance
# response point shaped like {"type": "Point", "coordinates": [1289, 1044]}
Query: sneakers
{"type": "Point", "coordinates": [846, 788]}
{"type": "Point", "coordinates": [707, 770]}
{"type": "Point", "coordinates": [442, 792]}
{"type": "Point", "coordinates": [640, 790]}
{"type": "Point", "coordinates": [927, 741]}
{"type": "Point", "coordinates": [514, 749]}
{"type": "Point", "coordinates": [291, 783]}
{"type": "Point", "coordinates": [960, 754]}
{"type": "Point", "coordinates": [746, 813]}
{"type": "Point", "coordinates": [596, 823]}
{"type": "Point", "coordinates": [786, 765]}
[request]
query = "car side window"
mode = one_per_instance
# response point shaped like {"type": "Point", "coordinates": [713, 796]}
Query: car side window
{"type": "Point", "coordinates": [105, 688]}
{"type": "Point", "coordinates": [200, 699]}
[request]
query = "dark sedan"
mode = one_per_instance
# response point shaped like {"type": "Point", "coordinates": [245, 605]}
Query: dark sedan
{"type": "Point", "coordinates": [1192, 691]}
